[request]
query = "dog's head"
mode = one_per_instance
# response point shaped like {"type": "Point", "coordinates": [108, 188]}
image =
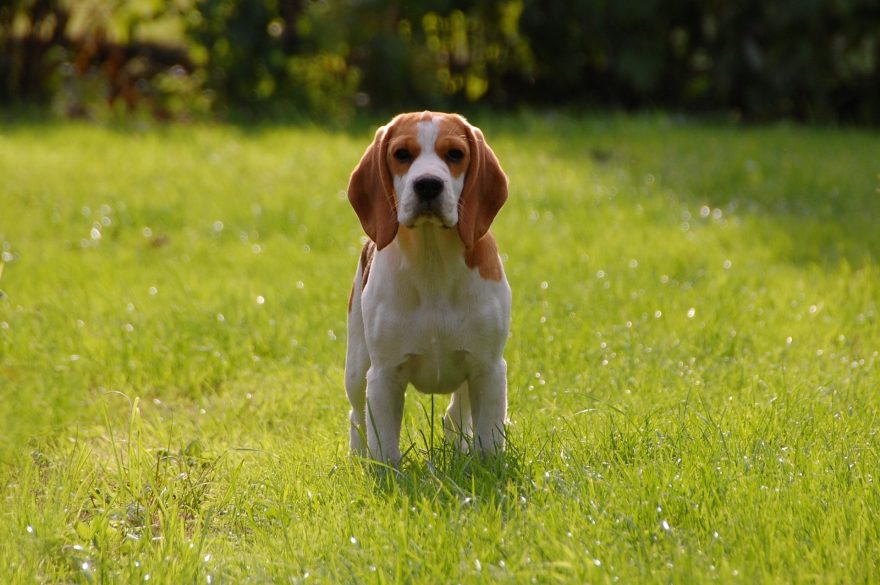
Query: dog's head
{"type": "Point", "coordinates": [427, 167]}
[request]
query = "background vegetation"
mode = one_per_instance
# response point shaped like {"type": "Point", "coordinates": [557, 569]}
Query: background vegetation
{"type": "Point", "coordinates": [814, 60]}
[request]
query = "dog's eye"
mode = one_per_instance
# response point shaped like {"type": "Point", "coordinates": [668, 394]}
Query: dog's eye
{"type": "Point", "coordinates": [454, 155]}
{"type": "Point", "coordinates": [403, 155]}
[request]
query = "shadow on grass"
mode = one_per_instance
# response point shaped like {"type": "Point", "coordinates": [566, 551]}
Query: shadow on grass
{"type": "Point", "coordinates": [448, 477]}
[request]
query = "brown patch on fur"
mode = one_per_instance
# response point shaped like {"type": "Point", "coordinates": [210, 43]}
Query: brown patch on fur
{"type": "Point", "coordinates": [371, 190]}
{"type": "Point", "coordinates": [484, 191]}
{"type": "Point", "coordinates": [484, 256]}
{"type": "Point", "coordinates": [367, 254]}
{"type": "Point", "coordinates": [366, 262]}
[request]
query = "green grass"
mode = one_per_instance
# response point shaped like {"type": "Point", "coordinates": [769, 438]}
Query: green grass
{"type": "Point", "coordinates": [693, 365]}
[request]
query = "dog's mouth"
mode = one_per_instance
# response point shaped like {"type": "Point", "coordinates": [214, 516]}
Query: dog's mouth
{"type": "Point", "coordinates": [429, 218]}
{"type": "Point", "coordinates": [429, 212]}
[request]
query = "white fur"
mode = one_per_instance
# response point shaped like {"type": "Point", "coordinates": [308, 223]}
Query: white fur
{"type": "Point", "coordinates": [427, 319]}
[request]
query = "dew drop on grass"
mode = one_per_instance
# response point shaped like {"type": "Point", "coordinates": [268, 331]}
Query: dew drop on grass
{"type": "Point", "coordinates": [691, 312]}
{"type": "Point", "coordinates": [261, 299]}
{"type": "Point", "coordinates": [353, 540]}
{"type": "Point", "coordinates": [30, 529]}
{"type": "Point", "coordinates": [207, 557]}
{"type": "Point", "coordinates": [218, 226]}
{"type": "Point", "coordinates": [665, 526]}
{"type": "Point", "coordinates": [597, 562]}
{"type": "Point", "coordinates": [147, 232]}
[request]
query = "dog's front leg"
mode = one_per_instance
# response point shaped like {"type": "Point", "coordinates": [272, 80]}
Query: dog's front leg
{"type": "Point", "coordinates": [488, 394]}
{"type": "Point", "coordinates": [385, 394]}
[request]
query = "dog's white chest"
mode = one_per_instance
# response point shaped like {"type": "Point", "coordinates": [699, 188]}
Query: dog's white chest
{"type": "Point", "coordinates": [434, 331]}
{"type": "Point", "coordinates": [436, 351]}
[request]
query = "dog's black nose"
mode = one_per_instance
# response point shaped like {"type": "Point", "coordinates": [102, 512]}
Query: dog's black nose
{"type": "Point", "coordinates": [428, 188]}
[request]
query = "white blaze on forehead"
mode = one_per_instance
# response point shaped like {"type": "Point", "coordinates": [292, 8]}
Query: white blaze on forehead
{"type": "Point", "coordinates": [427, 134]}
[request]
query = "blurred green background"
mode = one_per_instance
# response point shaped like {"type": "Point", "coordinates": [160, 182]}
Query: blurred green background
{"type": "Point", "coordinates": [811, 60]}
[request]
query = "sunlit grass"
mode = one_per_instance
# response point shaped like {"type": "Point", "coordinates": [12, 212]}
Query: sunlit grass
{"type": "Point", "coordinates": [693, 364]}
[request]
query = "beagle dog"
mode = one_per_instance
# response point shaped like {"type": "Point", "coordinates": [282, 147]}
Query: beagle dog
{"type": "Point", "coordinates": [430, 304]}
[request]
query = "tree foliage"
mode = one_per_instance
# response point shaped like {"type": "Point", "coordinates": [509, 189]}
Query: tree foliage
{"type": "Point", "coordinates": [814, 59]}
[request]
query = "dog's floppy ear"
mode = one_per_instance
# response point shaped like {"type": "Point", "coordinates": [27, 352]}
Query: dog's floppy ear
{"type": "Point", "coordinates": [371, 191]}
{"type": "Point", "coordinates": [484, 191]}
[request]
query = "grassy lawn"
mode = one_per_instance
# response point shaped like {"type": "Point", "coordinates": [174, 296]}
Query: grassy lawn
{"type": "Point", "coordinates": [693, 364]}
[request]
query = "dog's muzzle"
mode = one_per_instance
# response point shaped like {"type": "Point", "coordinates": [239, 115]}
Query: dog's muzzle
{"type": "Point", "coordinates": [428, 190]}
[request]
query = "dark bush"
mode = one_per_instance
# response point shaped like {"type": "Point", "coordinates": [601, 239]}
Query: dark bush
{"type": "Point", "coordinates": [805, 59]}
{"type": "Point", "coordinates": [31, 34]}
{"type": "Point", "coordinates": [814, 59]}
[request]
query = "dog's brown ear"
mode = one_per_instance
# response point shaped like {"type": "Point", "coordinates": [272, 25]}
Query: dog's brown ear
{"type": "Point", "coordinates": [484, 191]}
{"type": "Point", "coordinates": [371, 191]}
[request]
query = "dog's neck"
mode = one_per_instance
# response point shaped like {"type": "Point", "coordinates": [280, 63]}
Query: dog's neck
{"type": "Point", "coordinates": [430, 248]}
